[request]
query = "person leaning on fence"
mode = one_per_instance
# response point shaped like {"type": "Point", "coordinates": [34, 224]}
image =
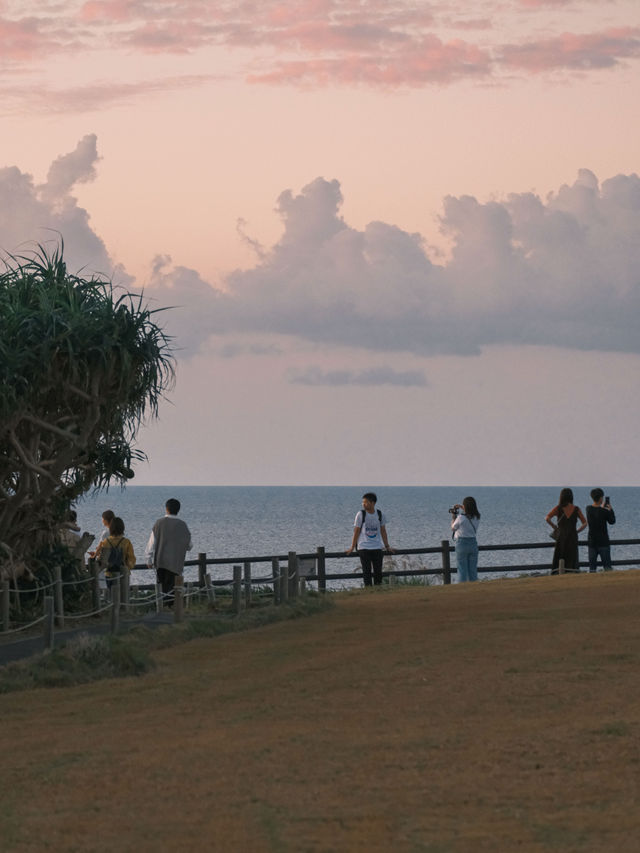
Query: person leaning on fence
{"type": "Point", "coordinates": [167, 547]}
{"type": "Point", "coordinates": [115, 552]}
{"type": "Point", "coordinates": [107, 517]}
{"type": "Point", "coordinates": [369, 534]}
{"type": "Point", "coordinates": [565, 532]}
{"type": "Point", "coordinates": [464, 525]}
{"type": "Point", "coordinates": [598, 517]}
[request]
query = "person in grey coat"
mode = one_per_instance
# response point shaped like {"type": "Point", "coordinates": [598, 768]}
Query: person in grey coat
{"type": "Point", "coordinates": [167, 547]}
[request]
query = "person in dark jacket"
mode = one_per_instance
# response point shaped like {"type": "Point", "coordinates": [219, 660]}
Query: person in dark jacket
{"type": "Point", "coordinates": [599, 516]}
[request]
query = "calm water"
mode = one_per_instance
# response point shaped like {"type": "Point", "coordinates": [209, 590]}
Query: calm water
{"type": "Point", "coordinates": [243, 521]}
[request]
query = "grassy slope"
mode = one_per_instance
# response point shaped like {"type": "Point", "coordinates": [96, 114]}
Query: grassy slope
{"type": "Point", "coordinates": [496, 716]}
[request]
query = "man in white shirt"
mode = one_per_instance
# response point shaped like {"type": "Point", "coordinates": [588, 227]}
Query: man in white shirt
{"type": "Point", "coordinates": [369, 534]}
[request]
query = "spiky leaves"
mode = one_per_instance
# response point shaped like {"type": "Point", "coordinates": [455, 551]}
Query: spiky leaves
{"type": "Point", "coordinates": [80, 369]}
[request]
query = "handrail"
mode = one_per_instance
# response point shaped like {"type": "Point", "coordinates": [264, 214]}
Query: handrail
{"type": "Point", "coordinates": [438, 549]}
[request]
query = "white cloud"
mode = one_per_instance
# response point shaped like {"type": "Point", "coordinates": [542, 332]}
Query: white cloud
{"type": "Point", "coordinates": [558, 271]}
{"type": "Point", "coordinates": [33, 214]}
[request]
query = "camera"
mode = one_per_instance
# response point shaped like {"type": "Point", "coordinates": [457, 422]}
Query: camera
{"type": "Point", "coordinates": [453, 510]}
{"type": "Point", "coordinates": [607, 500]}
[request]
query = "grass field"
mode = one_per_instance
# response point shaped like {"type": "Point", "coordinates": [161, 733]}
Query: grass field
{"type": "Point", "coordinates": [497, 716]}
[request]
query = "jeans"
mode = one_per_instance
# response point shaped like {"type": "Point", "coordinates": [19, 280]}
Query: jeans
{"type": "Point", "coordinates": [371, 559]}
{"type": "Point", "coordinates": [602, 551]}
{"type": "Point", "coordinates": [467, 558]}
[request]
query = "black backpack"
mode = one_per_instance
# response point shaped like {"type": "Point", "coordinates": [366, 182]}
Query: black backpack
{"type": "Point", "coordinates": [364, 515]}
{"type": "Point", "coordinates": [115, 558]}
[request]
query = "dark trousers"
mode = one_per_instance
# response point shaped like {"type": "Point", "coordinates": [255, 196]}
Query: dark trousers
{"type": "Point", "coordinates": [167, 581]}
{"type": "Point", "coordinates": [371, 562]}
{"type": "Point", "coordinates": [602, 551]}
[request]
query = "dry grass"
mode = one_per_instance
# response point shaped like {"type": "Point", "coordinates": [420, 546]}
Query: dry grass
{"type": "Point", "coordinates": [491, 717]}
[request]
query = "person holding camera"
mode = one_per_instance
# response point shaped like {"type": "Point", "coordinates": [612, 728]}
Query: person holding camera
{"type": "Point", "coordinates": [464, 525]}
{"type": "Point", "coordinates": [598, 517]}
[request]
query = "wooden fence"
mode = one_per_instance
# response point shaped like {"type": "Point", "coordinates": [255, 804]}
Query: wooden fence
{"type": "Point", "coordinates": [288, 577]}
{"type": "Point", "coordinates": [313, 565]}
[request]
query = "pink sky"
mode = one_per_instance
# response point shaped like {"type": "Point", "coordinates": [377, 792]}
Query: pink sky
{"type": "Point", "coordinates": [404, 239]}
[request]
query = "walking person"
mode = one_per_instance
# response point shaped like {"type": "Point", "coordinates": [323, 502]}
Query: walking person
{"type": "Point", "coordinates": [464, 525]}
{"type": "Point", "coordinates": [168, 544]}
{"type": "Point", "coordinates": [566, 532]}
{"type": "Point", "coordinates": [369, 537]}
{"type": "Point", "coordinates": [599, 516]}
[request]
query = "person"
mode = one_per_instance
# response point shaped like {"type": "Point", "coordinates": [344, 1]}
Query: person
{"type": "Point", "coordinates": [69, 536]}
{"type": "Point", "coordinates": [69, 532]}
{"type": "Point", "coordinates": [464, 525]}
{"type": "Point", "coordinates": [566, 548]}
{"type": "Point", "coordinates": [107, 517]}
{"type": "Point", "coordinates": [369, 535]}
{"type": "Point", "coordinates": [599, 515]}
{"type": "Point", "coordinates": [168, 544]}
{"type": "Point", "coordinates": [115, 539]}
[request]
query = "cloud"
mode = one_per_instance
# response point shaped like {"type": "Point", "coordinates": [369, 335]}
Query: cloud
{"type": "Point", "coordinates": [92, 97]}
{"type": "Point", "coordinates": [31, 214]}
{"type": "Point", "coordinates": [557, 271]}
{"type": "Point", "coordinates": [574, 52]}
{"type": "Point", "coordinates": [315, 376]}
{"type": "Point", "coordinates": [561, 271]}
{"type": "Point", "coordinates": [388, 44]}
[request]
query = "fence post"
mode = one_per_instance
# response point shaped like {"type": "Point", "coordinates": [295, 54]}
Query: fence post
{"type": "Point", "coordinates": [247, 584]}
{"type": "Point", "coordinates": [124, 588]}
{"type": "Point", "coordinates": [115, 607]}
{"type": "Point", "coordinates": [292, 574]}
{"type": "Point", "coordinates": [159, 598]}
{"type": "Point", "coordinates": [178, 601]}
{"type": "Point", "coordinates": [59, 598]}
{"type": "Point", "coordinates": [211, 595]}
{"type": "Point", "coordinates": [560, 567]}
{"type": "Point", "coordinates": [237, 589]}
{"type": "Point", "coordinates": [202, 570]}
{"type": "Point", "coordinates": [95, 584]}
{"type": "Point", "coordinates": [321, 569]}
{"type": "Point", "coordinates": [446, 562]}
{"type": "Point", "coordinates": [284, 585]}
{"type": "Point", "coordinates": [49, 621]}
{"type": "Point", "coordinates": [275, 571]}
{"type": "Point", "coordinates": [6, 604]}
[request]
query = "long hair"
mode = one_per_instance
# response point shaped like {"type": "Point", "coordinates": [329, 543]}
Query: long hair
{"type": "Point", "coordinates": [470, 507]}
{"type": "Point", "coordinates": [566, 498]}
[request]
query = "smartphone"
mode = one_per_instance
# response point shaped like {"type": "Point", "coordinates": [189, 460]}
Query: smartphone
{"type": "Point", "coordinates": [607, 500]}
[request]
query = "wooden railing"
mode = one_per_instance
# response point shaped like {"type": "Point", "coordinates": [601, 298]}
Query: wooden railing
{"type": "Point", "coordinates": [313, 565]}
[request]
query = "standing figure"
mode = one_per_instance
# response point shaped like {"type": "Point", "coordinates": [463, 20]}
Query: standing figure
{"type": "Point", "coordinates": [598, 517]}
{"type": "Point", "coordinates": [115, 552]}
{"type": "Point", "coordinates": [107, 517]}
{"type": "Point", "coordinates": [567, 516]}
{"type": "Point", "coordinates": [369, 534]}
{"type": "Point", "coordinates": [464, 525]}
{"type": "Point", "coordinates": [167, 547]}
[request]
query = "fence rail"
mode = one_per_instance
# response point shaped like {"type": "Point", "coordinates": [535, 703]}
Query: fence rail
{"type": "Point", "coordinates": [287, 581]}
{"type": "Point", "coordinates": [445, 549]}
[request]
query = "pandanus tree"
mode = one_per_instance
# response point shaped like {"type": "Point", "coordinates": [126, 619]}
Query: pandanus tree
{"type": "Point", "coordinates": [81, 368]}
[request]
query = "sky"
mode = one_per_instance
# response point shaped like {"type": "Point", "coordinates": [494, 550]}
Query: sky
{"type": "Point", "coordinates": [400, 240]}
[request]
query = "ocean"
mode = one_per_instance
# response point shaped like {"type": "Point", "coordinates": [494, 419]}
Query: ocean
{"type": "Point", "coordinates": [245, 521]}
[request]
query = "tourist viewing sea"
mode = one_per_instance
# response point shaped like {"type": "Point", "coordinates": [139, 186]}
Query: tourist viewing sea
{"type": "Point", "coordinates": [246, 521]}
